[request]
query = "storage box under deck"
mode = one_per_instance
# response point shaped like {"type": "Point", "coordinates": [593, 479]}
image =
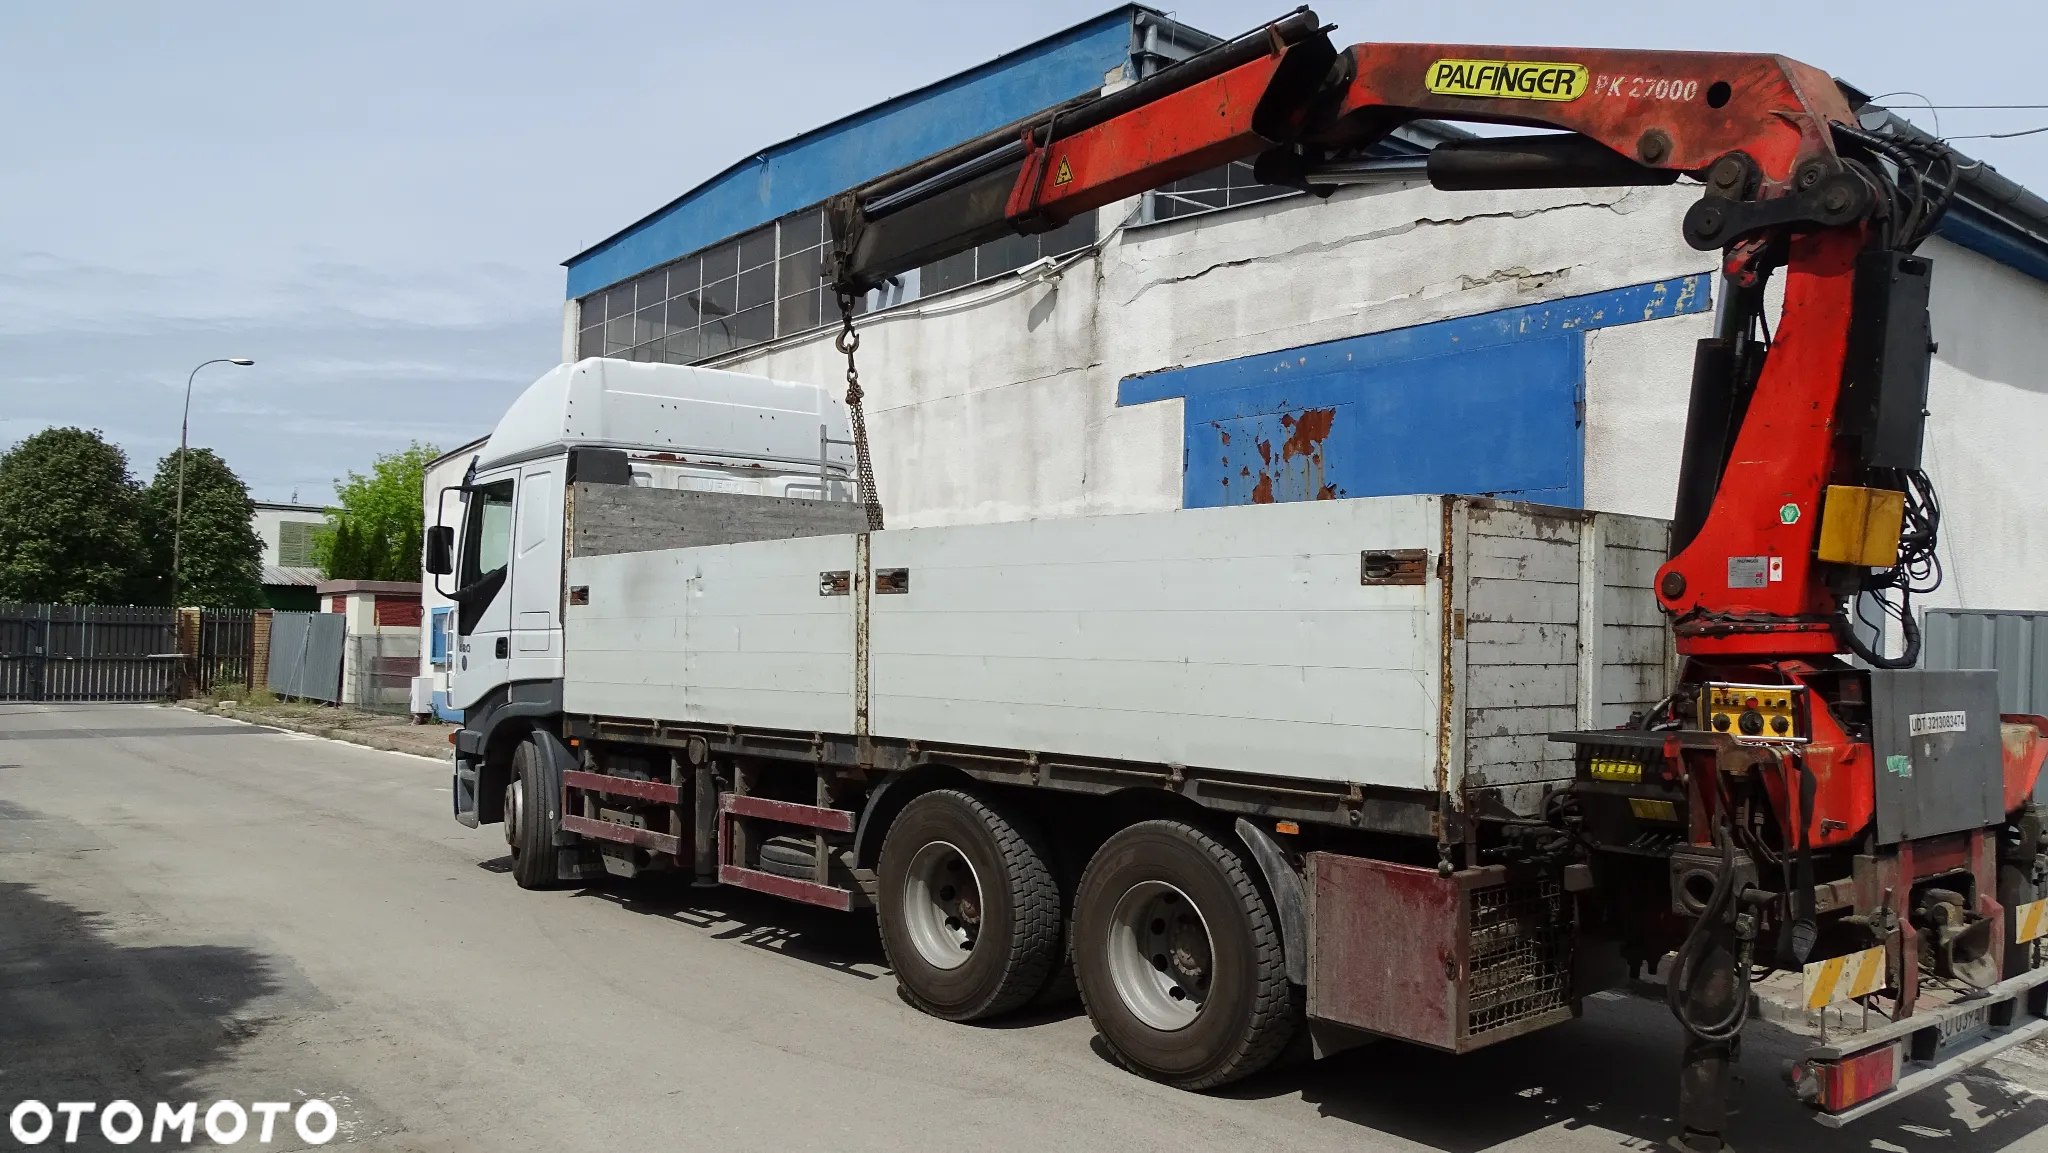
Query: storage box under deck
{"type": "Point", "coordinates": [1455, 962]}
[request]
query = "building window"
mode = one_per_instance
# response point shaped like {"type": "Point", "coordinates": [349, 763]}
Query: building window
{"type": "Point", "coordinates": [723, 298]}
{"type": "Point", "coordinates": [769, 283]}
{"type": "Point", "coordinates": [1005, 254]}
{"type": "Point", "coordinates": [295, 544]}
{"type": "Point", "coordinates": [1224, 187]}
{"type": "Point", "coordinates": [802, 301]}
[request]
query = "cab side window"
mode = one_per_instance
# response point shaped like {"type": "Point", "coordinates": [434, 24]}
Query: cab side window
{"type": "Point", "coordinates": [487, 533]}
{"type": "Point", "coordinates": [486, 547]}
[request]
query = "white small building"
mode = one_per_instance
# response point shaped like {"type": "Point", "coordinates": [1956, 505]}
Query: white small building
{"type": "Point", "coordinates": [381, 635]}
{"type": "Point", "coordinates": [290, 577]}
{"type": "Point", "coordinates": [430, 687]}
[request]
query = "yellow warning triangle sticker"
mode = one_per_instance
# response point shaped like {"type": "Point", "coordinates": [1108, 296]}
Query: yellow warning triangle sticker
{"type": "Point", "coordinates": [1065, 175]}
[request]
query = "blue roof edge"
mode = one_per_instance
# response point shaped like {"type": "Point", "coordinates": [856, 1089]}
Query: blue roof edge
{"type": "Point", "coordinates": [1104, 29]}
{"type": "Point", "coordinates": [1991, 230]}
{"type": "Point", "coordinates": [1987, 234]}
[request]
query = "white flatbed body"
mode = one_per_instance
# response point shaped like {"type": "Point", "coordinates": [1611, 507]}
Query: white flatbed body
{"type": "Point", "coordinates": [1419, 643]}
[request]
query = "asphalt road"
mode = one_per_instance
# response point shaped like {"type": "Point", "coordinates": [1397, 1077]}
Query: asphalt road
{"type": "Point", "coordinates": [195, 909]}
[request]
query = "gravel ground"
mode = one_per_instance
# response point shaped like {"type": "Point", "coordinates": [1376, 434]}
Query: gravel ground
{"type": "Point", "coordinates": [392, 733]}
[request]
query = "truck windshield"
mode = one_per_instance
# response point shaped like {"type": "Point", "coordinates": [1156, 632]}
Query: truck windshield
{"type": "Point", "coordinates": [487, 532]}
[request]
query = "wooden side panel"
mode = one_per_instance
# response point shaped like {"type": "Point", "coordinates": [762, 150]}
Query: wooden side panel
{"type": "Point", "coordinates": [614, 518]}
{"type": "Point", "coordinates": [1521, 644]}
{"type": "Point", "coordinates": [1638, 664]}
{"type": "Point", "coordinates": [1564, 632]}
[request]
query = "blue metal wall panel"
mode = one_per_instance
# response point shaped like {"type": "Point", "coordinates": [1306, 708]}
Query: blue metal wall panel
{"type": "Point", "coordinates": [437, 630]}
{"type": "Point", "coordinates": [1498, 421]}
{"type": "Point", "coordinates": [1971, 227]}
{"type": "Point", "coordinates": [806, 170]}
{"type": "Point", "coordinates": [1478, 404]}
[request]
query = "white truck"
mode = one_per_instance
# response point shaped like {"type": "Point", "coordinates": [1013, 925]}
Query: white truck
{"type": "Point", "coordinates": [1182, 753]}
{"type": "Point", "coordinates": [1230, 773]}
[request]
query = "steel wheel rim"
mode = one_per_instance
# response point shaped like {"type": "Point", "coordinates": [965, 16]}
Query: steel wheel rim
{"type": "Point", "coordinates": [1161, 956]}
{"type": "Point", "coordinates": [515, 796]}
{"type": "Point", "coordinates": [942, 905]}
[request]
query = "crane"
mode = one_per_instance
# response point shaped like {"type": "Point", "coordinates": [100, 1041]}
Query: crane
{"type": "Point", "coordinates": [1801, 494]}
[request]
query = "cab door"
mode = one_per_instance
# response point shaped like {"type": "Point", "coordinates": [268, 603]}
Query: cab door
{"type": "Point", "coordinates": [537, 574]}
{"type": "Point", "coordinates": [483, 594]}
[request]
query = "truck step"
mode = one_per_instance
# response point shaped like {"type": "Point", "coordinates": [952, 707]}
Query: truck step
{"type": "Point", "coordinates": [622, 834]}
{"type": "Point", "coordinates": [666, 794]}
{"type": "Point", "coordinates": [809, 892]}
{"type": "Point", "coordinates": [787, 812]}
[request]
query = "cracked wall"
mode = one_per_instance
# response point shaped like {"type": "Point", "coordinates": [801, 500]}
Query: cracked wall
{"type": "Point", "coordinates": [998, 402]}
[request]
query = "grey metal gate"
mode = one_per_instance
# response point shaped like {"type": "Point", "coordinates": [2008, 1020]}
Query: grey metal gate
{"type": "Point", "coordinates": [305, 655]}
{"type": "Point", "coordinates": [2014, 643]}
{"type": "Point", "coordinates": [87, 653]}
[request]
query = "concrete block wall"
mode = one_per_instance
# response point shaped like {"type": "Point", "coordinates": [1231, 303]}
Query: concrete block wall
{"type": "Point", "coordinates": [999, 401]}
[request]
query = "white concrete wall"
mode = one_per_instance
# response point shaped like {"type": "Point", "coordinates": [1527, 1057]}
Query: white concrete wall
{"type": "Point", "coordinates": [998, 402]}
{"type": "Point", "coordinates": [1987, 437]}
{"type": "Point", "coordinates": [448, 472]}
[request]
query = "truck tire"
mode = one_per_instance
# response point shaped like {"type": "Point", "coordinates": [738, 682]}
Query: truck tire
{"type": "Point", "coordinates": [969, 913]}
{"type": "Point", "coordinates": [1179, 958]}
{"type": "Point", "coordinates": [788, 856]}
{"type": "Point", "coordinates": [527, 828]}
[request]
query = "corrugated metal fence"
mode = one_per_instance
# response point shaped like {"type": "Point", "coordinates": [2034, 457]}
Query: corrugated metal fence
{"type": "Point", "coordinates": [305, 655]}
{"type": "Point", "coordinates": [2014, 643]}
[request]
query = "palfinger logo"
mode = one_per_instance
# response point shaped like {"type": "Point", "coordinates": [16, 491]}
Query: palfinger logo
{"type": "Point", "coordinates": [1507, 79]}
{"type": "Point", "coordinates": [32, 1123]}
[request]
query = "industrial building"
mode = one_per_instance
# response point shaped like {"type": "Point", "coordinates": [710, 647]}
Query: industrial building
{"type": "Point", "coordinates": [1218, 341]}
{"type": "Point", "coordinates": [290, 578]}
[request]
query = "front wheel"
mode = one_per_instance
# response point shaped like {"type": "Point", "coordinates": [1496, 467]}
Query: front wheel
{"type": "Point", "coordinates": [528, 832]}
{"type": "Point", "coordinates": [1178, 958]}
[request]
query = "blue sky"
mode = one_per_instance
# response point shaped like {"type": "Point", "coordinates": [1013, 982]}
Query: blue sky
{"type": "Point", "coordinates": [373, 199]}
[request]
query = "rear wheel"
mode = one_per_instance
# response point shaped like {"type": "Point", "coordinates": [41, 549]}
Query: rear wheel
{"type": "Point", "coordinates": [1178, 958]}
{"type": "Point", "coordinates": [969, 913]}
{"type": "Point", "coordinates": [528, 831]}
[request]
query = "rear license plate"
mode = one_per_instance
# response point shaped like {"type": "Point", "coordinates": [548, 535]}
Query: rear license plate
{"type": "Point", "coordinates": [1964, 1026]}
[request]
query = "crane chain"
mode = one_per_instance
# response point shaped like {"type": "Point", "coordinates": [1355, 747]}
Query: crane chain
{"type": "Point", "coordinates": [848, 342]}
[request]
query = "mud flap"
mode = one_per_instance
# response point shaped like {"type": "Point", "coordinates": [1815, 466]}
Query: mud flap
{"type": "Point", "coordinates": [462, 792]}
{"type": "Point", "coordinates": [575, 858]}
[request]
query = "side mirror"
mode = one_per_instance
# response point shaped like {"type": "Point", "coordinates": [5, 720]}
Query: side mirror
{"type": "Point", "coordinates": [440, 558]}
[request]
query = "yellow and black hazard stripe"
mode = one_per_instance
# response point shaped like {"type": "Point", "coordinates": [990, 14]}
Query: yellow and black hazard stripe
{"type": "Point", "coordinates": [1844, 978]}
{"type": "Point", "coordinates": [2029, 921]}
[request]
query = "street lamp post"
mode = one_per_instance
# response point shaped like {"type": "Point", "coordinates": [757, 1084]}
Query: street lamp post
{"type": "Point", "coordinates": [184, 430]}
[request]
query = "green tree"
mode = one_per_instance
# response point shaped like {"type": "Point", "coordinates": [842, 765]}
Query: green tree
{"type": "Point", "coordinates": [220, 556]}
{"type": "Point", "coordinates": [71, 521]}
{"type": "Point", "coordinates": [377, 533]}
{"type": "Point", "coordinates": [336, 551]}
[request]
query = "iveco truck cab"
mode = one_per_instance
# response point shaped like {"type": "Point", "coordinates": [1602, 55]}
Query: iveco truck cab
{"type": "Point", "coordinates": [644, 425]}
